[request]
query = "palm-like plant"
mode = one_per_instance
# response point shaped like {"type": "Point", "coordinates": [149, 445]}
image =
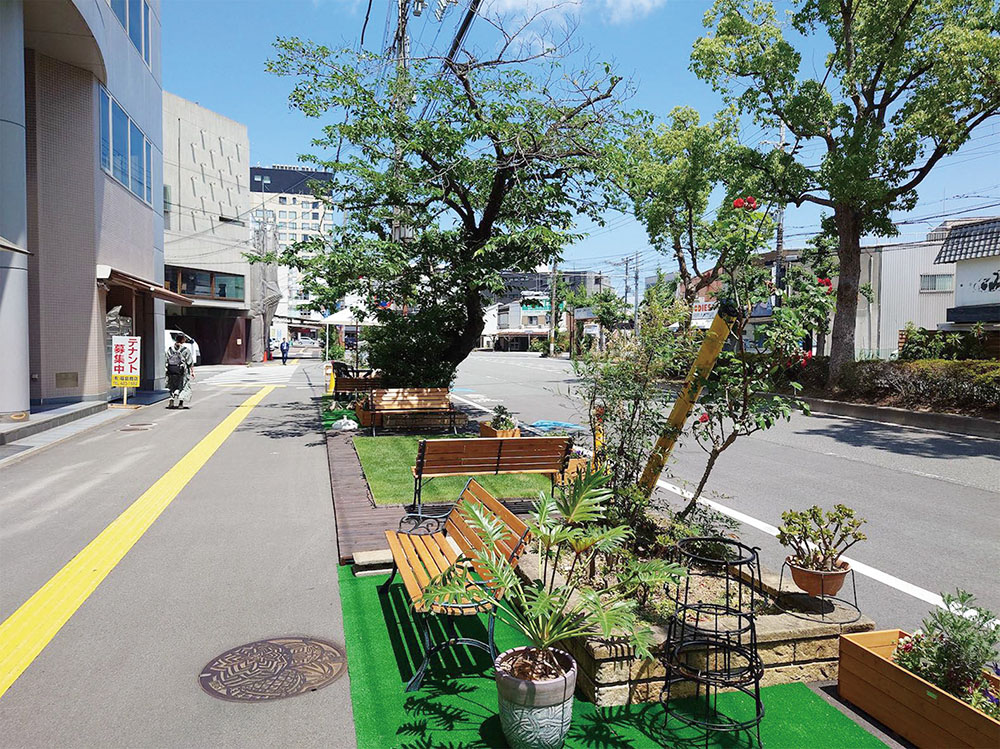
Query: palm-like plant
{"type": "Point", "coordinates": [562, 603]}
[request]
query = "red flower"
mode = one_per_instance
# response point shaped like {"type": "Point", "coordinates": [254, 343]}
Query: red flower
{"type": "Point", "coordinates": [703, 418]}
{"type": "Point", "coordinates": [751, 202]}
{"type": "Point", "coordinates": [738, 203]}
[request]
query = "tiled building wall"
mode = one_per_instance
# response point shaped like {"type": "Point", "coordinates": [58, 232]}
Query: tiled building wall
{"type": "Point", "coordinates": [67, 319]}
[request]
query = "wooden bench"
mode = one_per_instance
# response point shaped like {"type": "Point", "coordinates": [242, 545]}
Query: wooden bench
{"type": "Point", "coordinates": [428, 545]}
{"type": "Point", "coordinates": [408, 403]}
{"type": "Point", "coordinates": [352, 385]}
{"type": "Point", "coordinates": [489, 456]}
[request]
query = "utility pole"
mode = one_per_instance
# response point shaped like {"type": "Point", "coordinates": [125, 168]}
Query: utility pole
{"type": "Point", "coordinates": [627, 259]}
{"type": "Point", "coordinates": [552, 310]}
{"type": "Point", "coordinates": [636, 271]}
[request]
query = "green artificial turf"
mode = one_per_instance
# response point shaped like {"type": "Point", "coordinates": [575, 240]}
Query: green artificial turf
{"type": "Point", "coordinates": [457, 705]}
{"type": "Point", "coordinates": [387, 462]}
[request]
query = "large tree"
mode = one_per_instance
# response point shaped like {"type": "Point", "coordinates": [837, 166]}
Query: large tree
{"type": "Point", "coordinates": [448, 171]}
{"type": "Point", "coordinates": [905, 84]}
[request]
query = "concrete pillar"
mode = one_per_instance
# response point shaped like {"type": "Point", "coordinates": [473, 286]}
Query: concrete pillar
{"type": "Point", "coordinates": [15, 396]}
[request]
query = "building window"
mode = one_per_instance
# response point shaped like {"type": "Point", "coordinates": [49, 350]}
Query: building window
{"type": "Point", "coordinates": [105, 130]}
{"type": "Point", "coordinates": [295, 201]}
{"type": "Point", "coordinates": [125, 152]}
{"type": "Point", "coordinates": [937, 282]}
{"type": "Point", "coordinates": [315, 217]}
{"type": "Point", "coordinates": [203, 283]}
{"type": "Point", "coordinates": [281, 237]}
{"type": "Point", "coordinates": [283, 200]}
{"type": "Point", "coordinates": [282, 214]}
{"type": "Point", "coordinates": [119, 143]}
{"type": "Point", "coordinates": [282, 224]}
{"type": "Point", "coordinates": [137, 161]}
{"type": "Point", "coordinates": [134, 18]}
{"type": "Point", "coordinates": [293, 214]}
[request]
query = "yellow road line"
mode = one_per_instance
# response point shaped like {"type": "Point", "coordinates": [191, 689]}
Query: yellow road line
{"type": "Point", "coordinates": [29, 629]}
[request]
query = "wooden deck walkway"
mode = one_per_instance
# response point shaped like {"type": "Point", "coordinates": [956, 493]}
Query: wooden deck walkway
{"type": "Point", "coordinates": [361, 525]}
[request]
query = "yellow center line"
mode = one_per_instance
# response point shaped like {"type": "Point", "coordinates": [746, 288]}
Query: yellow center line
{"type": "Point", "coordinates": [28, 630]}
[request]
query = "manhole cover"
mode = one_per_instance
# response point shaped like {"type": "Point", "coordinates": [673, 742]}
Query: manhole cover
{"type": "Point", "coordinates": [137, 428]}
{"type": "Point", "coordinates": [273, 669]}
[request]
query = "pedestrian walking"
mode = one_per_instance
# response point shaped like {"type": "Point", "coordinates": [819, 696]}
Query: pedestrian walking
{"type": "Point", "coordinates": [285, 345]}
{"type": "Point", "coordinates": [180, 372]}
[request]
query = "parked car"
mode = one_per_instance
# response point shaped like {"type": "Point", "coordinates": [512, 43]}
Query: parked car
{"type": "Point", "coordinates": [306, 341]}
{"type": "Point", "coordinates": [189, 343]}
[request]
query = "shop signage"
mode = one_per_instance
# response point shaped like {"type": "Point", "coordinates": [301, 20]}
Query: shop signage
{"type": "Point", "coordinates": [125, 361]}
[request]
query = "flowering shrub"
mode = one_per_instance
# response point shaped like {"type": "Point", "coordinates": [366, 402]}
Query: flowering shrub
{"type": "Point", "coordinates": [951, 650]}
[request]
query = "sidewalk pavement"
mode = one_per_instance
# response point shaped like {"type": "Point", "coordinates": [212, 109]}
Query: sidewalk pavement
{"type": "Point", "coordinates": [240, 547]}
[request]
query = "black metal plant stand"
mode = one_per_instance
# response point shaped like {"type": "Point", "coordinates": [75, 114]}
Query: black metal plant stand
{"type": "Point", "coordinates": [712, 637]}
{"type": "Point", "coordinates": [818, 608]}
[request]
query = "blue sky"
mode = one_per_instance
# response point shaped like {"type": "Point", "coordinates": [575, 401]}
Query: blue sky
{"type": "Point", "coordinates": [214, 53]}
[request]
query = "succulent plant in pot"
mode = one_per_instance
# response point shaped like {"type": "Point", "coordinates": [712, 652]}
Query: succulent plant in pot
{"type": "Point", "coordinates": [817, 541]}
{"type": "Point", "coordinates": [536, 682]}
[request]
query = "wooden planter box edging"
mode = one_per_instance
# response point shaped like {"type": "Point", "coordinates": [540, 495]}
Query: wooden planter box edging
{"type": "Point", "coordinates": [912, 707]}
{"type": "Point", "coordinates": [485, 430]}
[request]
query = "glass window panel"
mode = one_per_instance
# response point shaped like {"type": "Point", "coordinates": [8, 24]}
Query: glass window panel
{"type": "Point", "coordinates": [228, 286]}
{"type": "Point", "coordinates": [137, 161]}
{"type": "Point", "coordinates": [315, 204]}
{"type": "Point", "coordinates": [135, 23]}
{"type": "Point", "coordinates": [282, 214]}
{"type": "Point", "coordinates": [315, 217]}
{"type": "Point", "coordinates": [145, 32]}
{"type": "Point", "coordinates": [149, 173]}
{"type": "Point", "coordinates": [282, 200]}
{"type": "Point", "coordinates": [118, 6]}
{"type": "Point", "coordinates": [196, 283]}
{"type": "Point", "coordinates": [119, 143]}
{"type": "Point", "coordinates": [293, 214]}
{"type": "Point", "coordinates": [105, 130]}
{"type": "Point", "coordinates": [293, 225]}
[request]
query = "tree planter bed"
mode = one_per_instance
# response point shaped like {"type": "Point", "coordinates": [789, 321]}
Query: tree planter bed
{"type": "Point", "coordinates": [485, 430]}
{"type": "Point", "coordinates": [910, 706]}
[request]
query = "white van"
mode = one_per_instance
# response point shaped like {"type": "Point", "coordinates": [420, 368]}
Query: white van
{"type": "Point", "coordinates": [189, 343]}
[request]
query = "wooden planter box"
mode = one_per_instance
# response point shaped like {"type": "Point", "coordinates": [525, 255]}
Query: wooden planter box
{"type": "Point", "coordinates": [910, 706]}
{"type": "Point", "coordinates": [485, 430]}
{"type": "Point", "coordinates": [574, 467]}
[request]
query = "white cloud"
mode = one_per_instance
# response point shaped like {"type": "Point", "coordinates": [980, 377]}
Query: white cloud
{"type": "Point", "coordinates": [613, 11]}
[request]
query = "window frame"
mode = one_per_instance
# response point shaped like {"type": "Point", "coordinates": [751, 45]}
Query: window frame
{"type": "Point", "coordinates": [172, 278]}
{"type": "Point", "coordinates": [143, 26]}
{"type": "Point", "coordinates": [145, 154]}
{"type": "Point", "coordinates": [936, 276]}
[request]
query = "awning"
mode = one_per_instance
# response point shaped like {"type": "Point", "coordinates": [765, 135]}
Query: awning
{"type": "Point", "coordinates": [119, 278]}
{"type": "Point", "coordinates": [6, 244]}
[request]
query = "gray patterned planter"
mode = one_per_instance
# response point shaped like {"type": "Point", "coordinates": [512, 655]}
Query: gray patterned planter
{"type": "Point", "coordinates": [536, 714]}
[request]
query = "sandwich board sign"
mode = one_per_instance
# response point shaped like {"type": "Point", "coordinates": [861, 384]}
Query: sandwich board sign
{"type": "Point", "coordinates": [125, 360]}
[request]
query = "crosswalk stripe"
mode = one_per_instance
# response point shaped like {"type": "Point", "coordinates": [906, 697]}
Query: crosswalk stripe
{"type": "Point", "coordinates": [253, 376]}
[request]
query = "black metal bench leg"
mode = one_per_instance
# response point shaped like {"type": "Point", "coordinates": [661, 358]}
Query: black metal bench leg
{"type": "Point", "coordinates": [385, 586]}
{"type": "Point", "coordinates": [490, 642]}
{"type": "Point", "coordinates": [425, 635]}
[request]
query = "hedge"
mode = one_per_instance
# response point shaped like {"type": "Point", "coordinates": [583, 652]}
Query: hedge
{"type": "Point", "coordinates": [971, 386]}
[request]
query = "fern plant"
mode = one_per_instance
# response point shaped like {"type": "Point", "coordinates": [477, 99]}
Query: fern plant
{"type": "Point", "coordinates": [568, 532]}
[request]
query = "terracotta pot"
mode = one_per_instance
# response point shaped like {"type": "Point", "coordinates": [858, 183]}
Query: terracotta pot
{"type": "Point", "coordinates": [819, 583]}
{"type": "Point", "coordinates": [485, 430]}
{"type": "Point", "coordinates": [536, 714]}
{"type": "Point", "coordinates": [912, 707]}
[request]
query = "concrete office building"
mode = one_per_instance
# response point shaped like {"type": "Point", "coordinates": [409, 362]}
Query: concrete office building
{"type": "Point", "coordinates": [206, 212]}
{"type": "Point", "coordinates": [81, 191]}
{"type": "Point", "coordinates": [281, 199]}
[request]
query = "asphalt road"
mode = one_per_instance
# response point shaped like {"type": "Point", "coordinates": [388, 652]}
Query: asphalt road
{"type": "Point", "coordinates": [932, 500]}
{"type": "Point", "coordinates": [245, 551]}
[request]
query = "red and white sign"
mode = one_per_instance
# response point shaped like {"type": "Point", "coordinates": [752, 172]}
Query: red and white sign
{"type": "Point", "coordinates": [702, 314]}
{"type": "Point", "coordinates": [125, 361]}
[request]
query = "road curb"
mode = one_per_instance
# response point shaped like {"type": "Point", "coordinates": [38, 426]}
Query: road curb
{"type": "Point", "coordinates": [31, 428]}
{"type": "Point", "coordinates": [970, 426]}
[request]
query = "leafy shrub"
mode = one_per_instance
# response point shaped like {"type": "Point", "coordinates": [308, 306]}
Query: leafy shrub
{"type": "Point", "coordinates": [932, 383]}
{"type": "Point", "coordinates": [406, 348]}
{"type": "Point", "coordinates": [503, 419]}
{"type": "Point", "coordinates": [952, 648]}
{"type": "Point", "coordinates": [818, 540]}
{"type": "Point", "coordinates": [920, 343]}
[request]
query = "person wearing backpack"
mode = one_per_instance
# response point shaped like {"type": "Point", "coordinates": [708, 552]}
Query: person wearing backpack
{"type": "Point", "coordinates": [180, 372]}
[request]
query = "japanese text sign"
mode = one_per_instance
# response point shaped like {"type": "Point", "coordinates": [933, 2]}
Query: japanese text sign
{"type": "Point", "coordinates": [125, 361]}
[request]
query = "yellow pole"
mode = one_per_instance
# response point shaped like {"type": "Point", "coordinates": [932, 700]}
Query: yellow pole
{"type": "Point", "coordinates": [711, 347]}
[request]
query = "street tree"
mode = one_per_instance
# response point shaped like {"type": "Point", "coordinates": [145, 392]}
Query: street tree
{"type": "Point", "coordinates": [670, 172]}
{"type": "Point", "coordinates": [448, 172]}
{"type": "Point", "coordinates": [906, 82]}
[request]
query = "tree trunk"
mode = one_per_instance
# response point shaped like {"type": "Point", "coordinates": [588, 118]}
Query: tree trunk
{"type": "Point", "coordinates": [467, 339]}
{"type": "Point", "coordinates": [848, 221]}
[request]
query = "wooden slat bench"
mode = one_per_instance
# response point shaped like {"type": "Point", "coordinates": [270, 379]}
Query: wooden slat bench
{"type": "Point", "coordinates": [428, 545]}
{"type": "Point", "coordinates": [408, 403]}
{"type": "Point", "coordinates": [489, 456]}
{"type": "Point", "coordinates": [352, 385]}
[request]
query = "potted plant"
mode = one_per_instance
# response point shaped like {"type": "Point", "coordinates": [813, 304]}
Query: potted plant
{"type": "Point", "coordinates": [501, 425]}
{"type": "Point", "coordinates": [536, 682]}
{"type": "Point", "coordinates": [932, 687]}
{"type": "Point", "coordinates": [818, 540]}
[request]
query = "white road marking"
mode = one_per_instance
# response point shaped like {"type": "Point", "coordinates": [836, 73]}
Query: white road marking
{"type": "Point", "coordinates": [252, 376]}
{"type": "Point", "coordinates": [860, 567]}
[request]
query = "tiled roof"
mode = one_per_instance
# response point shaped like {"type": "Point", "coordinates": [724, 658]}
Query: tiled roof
{"type": "Point", "coordinates": [970, 241]}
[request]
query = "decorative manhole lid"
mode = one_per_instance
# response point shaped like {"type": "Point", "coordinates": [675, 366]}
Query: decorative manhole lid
{"type": "Point", "coordinates": [273, 669]}
{"type": "Point", "coordinates": [137, 428]}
